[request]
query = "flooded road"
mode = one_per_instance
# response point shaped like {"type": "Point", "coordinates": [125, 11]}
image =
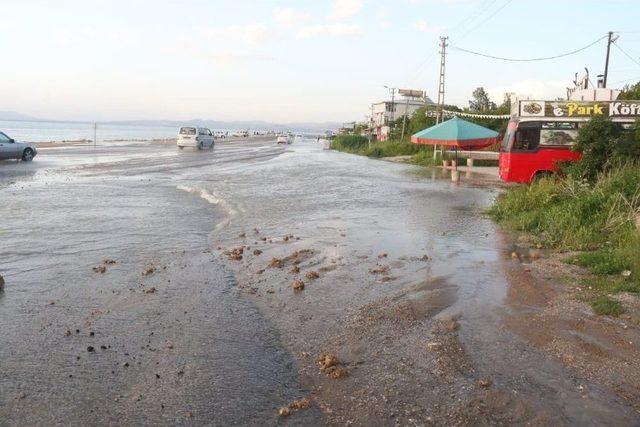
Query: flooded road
{"type": "Point", "coordinates": [408, 292]}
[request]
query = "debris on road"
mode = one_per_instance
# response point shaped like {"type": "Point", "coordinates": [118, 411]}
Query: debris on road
{"type": "Point", "coordinates": [330, 365]}
{"type": "Point", "coordinates": [150, 291]}
{"type": "Point", "coordinates": [149, 270]}
{"type": "Point", "coordinates": [100, 269]}
{"type": "Point", "coordinates": [276, 263]}
{"type": "Point", "coordinates": [109, 262]}
{"type": "Point", "coordinates": [257, 252]}
{"type": "Point", "coordinates": [303, 403]}
{"type": "Point", "coordinates": [284, 411]}
{"type": "Point", "coordinates": [383, 255]}
{"type": "Point", "coordinates": [298, 285]}
{"type": "Point", "coordinates": [312, 275]}
{"type": "Point", "coordinates": [484, 382]}
{"type": "Point", "coordinates": [236, 254]}
{"type": "Point", "coordinates": [380, 269]}
{"type": "Point", "coordinates": [90, 349]}
{"type": "Point", "coordinates": [295, 270]}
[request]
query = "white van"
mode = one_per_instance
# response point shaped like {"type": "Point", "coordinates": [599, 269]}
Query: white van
{"type": "Point", "coordinates": [194, 137]}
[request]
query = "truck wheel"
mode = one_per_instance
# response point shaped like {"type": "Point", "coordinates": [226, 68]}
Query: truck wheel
{"type": "Point", "coordinates": [27, 155]}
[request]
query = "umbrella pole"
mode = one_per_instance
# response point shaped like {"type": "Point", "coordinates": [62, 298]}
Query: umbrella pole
{"type": "Point", "coordinates": [456, 157]}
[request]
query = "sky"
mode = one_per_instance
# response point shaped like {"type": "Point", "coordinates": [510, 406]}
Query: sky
{"type": "Point", "coordinates": [293, 60]}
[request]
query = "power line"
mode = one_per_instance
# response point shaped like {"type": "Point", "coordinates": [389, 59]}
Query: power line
{"type": "Point", "coordinates": [529, 59]}
{"type": "Point", "coordinates": [486, 19]}
{"type": "Point", "coordinates": [485, 5]}
{"type": "Point", "coordinates": [628, 56]}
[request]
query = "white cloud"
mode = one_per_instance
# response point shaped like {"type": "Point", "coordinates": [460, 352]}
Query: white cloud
{"type": "Point", "coordinates": [289, 17]}
{"type": "Point", "coordinates": [336, 30]}
{"type": "Point", "coordinates": [252, 33]}
{"type": "Point", "coordinates": [343, 9]}
{"type": "Point", "coordinates": [383, 14]}
{"type": "Point", "coordinates": [424, 27]}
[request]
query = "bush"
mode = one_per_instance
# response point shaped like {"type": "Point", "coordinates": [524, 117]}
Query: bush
{"type": "Point", "coordinates": [604, 145]}
{"type": "Point", "coordinates": [350, 143]}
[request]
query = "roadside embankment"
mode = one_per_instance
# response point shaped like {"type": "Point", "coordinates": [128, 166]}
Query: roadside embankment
{"type": "Point", "coordinates": [594, 226]}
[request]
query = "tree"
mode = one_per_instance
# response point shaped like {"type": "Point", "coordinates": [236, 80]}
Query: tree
{"type": "Point", "coordinates": [630, 92]}
{"type": "Point", "coordinates": [481, 101]}
{"type": "Point", "coordinates": [604, 145]}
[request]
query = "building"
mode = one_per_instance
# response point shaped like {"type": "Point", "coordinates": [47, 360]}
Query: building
{"type": "Point", "coordinates": [382, 113]}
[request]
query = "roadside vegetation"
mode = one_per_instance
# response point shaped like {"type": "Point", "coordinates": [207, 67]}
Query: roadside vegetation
{"type": "Point", "coordinates": [592, 207]}
{"type": "Point", "coordinates": [357, 144]}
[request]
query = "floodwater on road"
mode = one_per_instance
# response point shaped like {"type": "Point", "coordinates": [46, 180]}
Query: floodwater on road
{"type": "Point", "coordinates": [173, 331]}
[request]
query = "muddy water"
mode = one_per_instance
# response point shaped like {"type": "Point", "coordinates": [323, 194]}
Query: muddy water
{"type": "Point", "coordinates": [220, 341]}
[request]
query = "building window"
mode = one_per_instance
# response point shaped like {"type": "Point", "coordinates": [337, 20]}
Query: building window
{"type": "Point", "coordinates": [391, 108]}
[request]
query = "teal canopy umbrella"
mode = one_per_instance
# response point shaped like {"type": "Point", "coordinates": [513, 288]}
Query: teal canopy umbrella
{"type": "Point", "coordinates": [457, 133]}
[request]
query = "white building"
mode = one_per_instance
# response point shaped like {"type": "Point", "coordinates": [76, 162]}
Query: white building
{"type": "Point", "coordinates": [386, 111]}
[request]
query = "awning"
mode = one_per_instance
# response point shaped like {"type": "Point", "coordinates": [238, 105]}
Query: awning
{"type": "Point", "coordinates": [457, 133]}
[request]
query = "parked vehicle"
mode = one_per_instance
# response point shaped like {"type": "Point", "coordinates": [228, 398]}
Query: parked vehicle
{"type": "Point", "coordinates": [11, 149]}
{"type": "Point", "coordinates": [240, 134]}
{"type": "Point", "coordinates": [219, 134]}
{"type": "Point", "coordinates": [283, 139]}
{"type": "Point", "coordinates": [193, 137]}
{"type": "Point", "coordinates": [541, 134]}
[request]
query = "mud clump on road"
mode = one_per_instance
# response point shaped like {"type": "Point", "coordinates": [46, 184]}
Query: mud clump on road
{"type": "Point", "coordinates": [297, 285]}
{"type": "Point", "coordinates": [300, 404]}
{"type": "Point", "coordinates": [235, 254]}
{"type": "Point", "coordinates": [312, 275]}
{"type": "Point", "coordinates": [380, 269]}
{"type": "Point", "coordinates": [257, 252]}
{"type": "Point", "coordinates": [331, 365]}
{"type": "Point", "coordinates": [109, 262]}
{"type": "Point", "coordinates": [100, 269]}
{"type": "Point", "coordinates": [149, 270]}
{"type": "Point", "coordinates": [150, 291]}
{"type": "Point", "coordinates": [298, 257]}
{"type": "Point", "coordinates": [276, 263]}
{"type": "Point", "coordinates": [295, 270]}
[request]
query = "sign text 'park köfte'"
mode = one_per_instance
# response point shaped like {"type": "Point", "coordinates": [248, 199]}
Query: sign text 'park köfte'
{"type": "Point", "coordinates": [580, 109]}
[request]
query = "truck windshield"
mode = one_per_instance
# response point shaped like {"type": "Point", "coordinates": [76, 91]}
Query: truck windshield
{"type": "Point", "coordinates": [187, 131]}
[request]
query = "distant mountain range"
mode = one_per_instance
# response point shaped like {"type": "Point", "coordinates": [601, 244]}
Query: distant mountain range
{"type": "Point", "coordinates": [213, 124]}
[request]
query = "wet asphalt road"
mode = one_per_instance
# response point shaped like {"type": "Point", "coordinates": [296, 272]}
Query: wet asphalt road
{"type": "Point", "coordinates": [183, 344]}
{"type": "Point", "coordinates": [193, 349]}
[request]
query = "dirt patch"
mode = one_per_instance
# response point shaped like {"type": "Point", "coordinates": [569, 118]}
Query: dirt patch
{"type": "Point", "coordinates": [550, 312]}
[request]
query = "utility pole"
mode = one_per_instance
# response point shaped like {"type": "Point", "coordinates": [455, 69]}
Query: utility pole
{"type": "Point", "coordinates": [393, 103]}
{"type": "Point", "coordinates": [606, 64]}
{"type": "Point", "coordinates": [439, 117]}
{"type": "Point", "coordinates": [371, 126]}
{"type": "Point", "coordinates": [392, 90]}
{"type": "Point", "coordinates": [404, 121]}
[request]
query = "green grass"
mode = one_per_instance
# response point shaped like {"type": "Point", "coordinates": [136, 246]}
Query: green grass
{"type": "Point", "coordinates": [356, 144]}
{"type": "Point", "coordinates": [604, 305]}
{"type": "Point", "coordinates": [597, 219]}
